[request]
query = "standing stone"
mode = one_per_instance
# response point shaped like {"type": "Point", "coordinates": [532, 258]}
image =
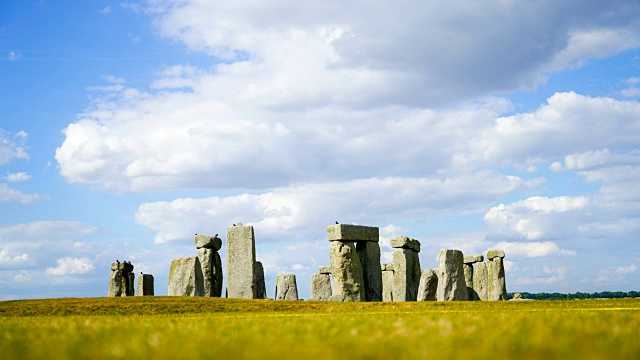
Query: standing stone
{"type": "Point", "coordinates": [131, 290]}
{"type": "Point", "coordinates": [497, 289]}
{"type": "Point", "coordinates": [241, 262]}
{"type": "Point", "coordinates": [428, 285]}
{"type": "Point", "coordinates": [115, 284]}
{"type": "Point", "coordinates": [347, 272]}
{"type": "Point", "coordinates": [145, 285]}
{"type": "Point", "coordinates": [369, 253]}
{"type": "Point", "coordinates": [185, 277]}
{"type": "Point", "coordinates": [217, 275]}
{"type": "Point", "coordinates": [320, 287]}
{"type": "Point", "coordinates": [480, 281]}
{"type": "Point", "coordinates": [451, 285]}
{"type": "Point", "coordinates": [286, 287]}
{"type": "Point", "coordinates": [261, 288]}
{"type": "Point", "coordinates": [387, 282]}
{"type": "Point", "coordinates": [406, 269]}
{"type": "Point", "coordinates": [206, 258]}
{"type": "Point", "coordinates": [469, 274]}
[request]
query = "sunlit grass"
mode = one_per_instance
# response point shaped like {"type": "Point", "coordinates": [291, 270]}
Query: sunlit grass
{"type": "Point", "coordinates": [170, 327]}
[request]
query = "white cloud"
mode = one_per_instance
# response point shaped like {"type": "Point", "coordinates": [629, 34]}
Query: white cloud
{"type": "Point", "coordinates": [626, 269]}
{"type": "Point", "coordinates": [550, 275]}
{"type": "Point", "coordinates": [12, 146]}
{"type": "Point", "coordinates": [532, 249]}
{"type": "Point", "coordinates": [46, 230]}
{"type": "Point", "coordinates": [71, 266]}
{"type": "Point", "coordinates": [14, 55]}
{"type": "Point", "coordinates": [17, 177]}
{"type": "Point", "coordinates": [8, 258]}
{"type": "Point", "coordinates": [9, 194]}
{"type": "Point", "coordinates": [22, 277]}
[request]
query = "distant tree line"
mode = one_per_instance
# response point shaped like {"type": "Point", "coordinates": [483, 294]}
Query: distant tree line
{"type": "Point", "coordinates": [578, 295]}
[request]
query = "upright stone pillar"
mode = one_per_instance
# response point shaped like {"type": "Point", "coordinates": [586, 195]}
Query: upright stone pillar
{"type": "Point", "coordinates": [497, 289]}
{"type": "Point", "coordinates": [217, 275]}
{"type": "Point", "coordinates": [208, 247]}
{"type": "Point", "coordinates": [469, 274]}
{"type": "Point", "coordinates": [115, 283]}
{"type": "Point", "coordinates": [261, 288]}
{"type": "Point", "coordinates": [286, 287]}
{"type": "Point", "coordinates": [480, 281]}
{"type": "Point", "coordinates": [451, 285]}
{"type": "Point", "coordinates": [356, 270]}
{"type": "Point", "coordinates": [121, 280]}
{"type": "Point", "coordinates": [241, 262]}
{"type": "Point", "coordinates": [185, 277]}
{"type": "Point", "coordinates": [321, 284]}
{"type": "Point", "coordinates": [406, 269]}
{"type": "Point", "coordinates": [387, 282]}
{"type": "Point", "coordinates": [145, 285]}
{"type": "Point", "coordinates": [428, 285]}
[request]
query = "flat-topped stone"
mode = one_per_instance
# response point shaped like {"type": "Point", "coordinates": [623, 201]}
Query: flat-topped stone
{"type": "Point", "coordinates": [207, 241]}
{"type": "Point", "coordinates": [324, 270]}
{"type": "Point", "coordinates": [471, 259]}
{"type": "Point", "coordinates": [121, 265]}
{"type": "Point", "coordinates": [491, 254]}
{"type": "Point", "coordinates": [347, 232]}
{"type": "Point", "coordinates": [404, 242]}
{"type": "Point", "coordinates": [386, 267]}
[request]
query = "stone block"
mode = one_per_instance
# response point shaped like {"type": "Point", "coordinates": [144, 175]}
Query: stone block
{"type": "Point", "coordinates": [261, 287]}
{"type": "Point", "coordinates": [451, 284]}
{"type": "Point", "coordinates": [346, 269]}
{"type": "Point", "coordinates": [497, 289]}
{"type": "Point", "coordinates": [217, 275]}
{"type": "Point", "coordinates": [206, 258]}
{"type": "Point", "coordinates": [145, 285]}
{"type": "Point", "coordinates": [404, 242]}
{"type": "Point", "coordinates": [124, 266]}
{"type": "Point", "coordinates": [369, 253]}
{"type": "Point", "coordinates": [468, 279]}
{"type": "Point", "coordinates": [324, 269]}
{"type": "Point", "coordinates": [387, 286]}
{"type": "Point", "coordinates": [471, 259]}
{"type": "Point", "coordinates": [130, 279]}
{"type": "Point", "coordinates": [428, 285]}
{"type": "Point", "coordinates": [386, 267]}
{"type": "Point", "coordinates": [241, 260]}
{"type": "Point", "coordinates": [491, 254]}
{"type": "Point", "coordinates": [115, 284]}
{"type": "Point", "coordinates": [480, 281]}
{"type": "Point", "coordinates": [346, 232]}
{"type": "Point", "coordinates": [210, 242]}
{"type": "Point", "coordinates": [286, 287]}
{"type": "Point", "coordinates": [185, 277]}
{"type": "Point", "coordinates": [320, 287]}
{"type": "Point", "coordinates": [406, 275]}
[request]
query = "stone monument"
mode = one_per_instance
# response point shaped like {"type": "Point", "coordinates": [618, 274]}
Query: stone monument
{"type": "Point", "coordinates": [241, 262]}
{"type": "Point", "coordinates": [406, 268]}
{"type": "Point", "coordinates": [497, 287]}
{"type": "Point", "coordinates": [451, 284]}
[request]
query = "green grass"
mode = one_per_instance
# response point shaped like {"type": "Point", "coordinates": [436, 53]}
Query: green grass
{"type": "Point", "coordinates": [192, 327]}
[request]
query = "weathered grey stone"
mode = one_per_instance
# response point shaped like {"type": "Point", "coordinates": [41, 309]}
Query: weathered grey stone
{"type": "Point", "coordinates": [320, 287]}
{"type": "Point", "coordinates": [387, 286]}
{"type": "Point", "coordinates": [115, 284]}
{"type": "Point", "coordinates": [261, 287]}
{"type": "Point", "coordinates": [129, 283]}
{"type": "Point", "coordinates": [386, 267]}
{"type": "Point", "coordinates": [206, 241]}
{"type": "Point", "coordinates": [346, 232]}
{"type": "Point", "coordinates": [517, 296]}
{"type": "Point", "coordinates": [480, 281]}
{"type": "Point", "coordinates": [468, 279]}
{"type": "Point", "coordinates": [491, 254]}
{"type": "Point", "coordinates": [337, 298]}
{"type": "Point", "coordinates": [405, 242]}
{"type": "Point", "coordinates": [406, 275]}
{"type": "Point", "coordinates": [497, 289]}
{"type": "Point", "coordinates": [451, 284]}
{"type": "Point", "coordinates": [286, 287]}
{"type": "Point", "coordinates": [428, 285]}
{"type": "Point", "coordinates": [347, 271]}
{"type": "Point", "coordinates": [369, 253]}
{"type": "Point", "coordinates": [324, 269]}
{"type": "Point", "coordinates": [470, 259]}
{"type": "Point", "coordinates": [185, 277]}
{"type": "Point", "coordinates": [145, 285]}
{"type": "Point", "coordinates": [217, 275]}
{"type": "Point", "coordinates": [206, 258]}
{"type": "Point", "coordinates": [124, 266]}
{"type": "Point", "coordinates": [241, 260]}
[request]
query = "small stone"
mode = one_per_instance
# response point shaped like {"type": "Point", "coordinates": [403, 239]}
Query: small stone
{"type": "Point", "coordinates": [261, 288]}
{"type": "Point", "coordinates": [320, 287]}
{"type": "Point", "coordinates": [428, 287]}
{"type": "Point", "coordinates": [286, 287]}
{"type": "Point", "coordinates": [346, 232]}
{"type": "Point", "coordinates": [491, 254]}
{"type": "Point", "coordinates": [185, 277]}
{"type": "Point", "coordinates": [405, 242]}
{"type": "Point", "coordinates": [324, 270]}
{"type": "Point", "coordinates": [451, 284]}
{"type": "Point", "coordinates": [517, 296]}
{"type": "Point", "coordinates": [386, 267]}
{"type": "Point", "coordinates": [209, 242]}
{"type": "Point", "coordinates": [471, 259]}
{"type": "Point", "coordinates": [145, 285]}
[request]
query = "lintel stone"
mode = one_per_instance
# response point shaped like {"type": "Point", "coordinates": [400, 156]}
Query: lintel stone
{"type": "Point", "coordinates": [207, 241]}
{"type": "Point", "coordinates": [491, 254]}
{"type": "Point", "coordinates": [324, 270]}
{"type": "Point", "coordinates": [405, 242]}
{"type": "Point", "coordinates": [347, 232]}
{"type": "Point", "coordinates": [470, 259]}
{"type": "Point", "coordinates": [121, 265]}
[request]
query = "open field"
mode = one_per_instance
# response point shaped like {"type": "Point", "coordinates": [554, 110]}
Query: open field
{"type": "Point", "coordinates": [194, 327]}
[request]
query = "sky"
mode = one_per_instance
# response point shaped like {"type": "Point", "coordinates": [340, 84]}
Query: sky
{"type": "Point", "coordinates": [126, 127]}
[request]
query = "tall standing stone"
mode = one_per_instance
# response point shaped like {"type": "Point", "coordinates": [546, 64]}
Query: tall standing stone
{"type": "Point", "coordinates": [286, 287]}
{"type": "Point", "coordinates": [217, 275]}
{"type": "Point", "coordinates": [348, 282]}
{"type": "Point", "coordinates": [497, 289]}
{"type": "Point", "coordinates": [369, 253]}
{"type": "Point", "coordinates": [387, 282]}
{"type": "Point", "coordinates": [121, 281]}
{"type": "Point", "coordinates": [428, 285]}
{"type": "Point", "coordinates": [115, 284]}
{"type": "Point", "coordinates": [185, 277]}
{"type": "Point", "coordinates": [320, 287]}
{"type": "Point", "coordinates": [241, 262]}
{"type": "Point", "coordinates": [145, 285]}
{"type": "Point", "coordinates": [261, 288]}
{"type": "Point", "coordinates": [469, 274]}
{"type": "Point", "coordinates": [480, 281]}
{"type": "Point", "coordinates": [131, 289]}
{"type": "Point", "coordinates": [406, 268]}
{"type": "Point", "coordinates": [208, 247]}
{"type": "Point", "coordinates": [451, 285]}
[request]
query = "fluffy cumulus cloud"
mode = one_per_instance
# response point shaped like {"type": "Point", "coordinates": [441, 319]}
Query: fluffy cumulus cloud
{"type": "Point", "coordinates": [18, 177]}
{"type": "Point", "coordinates": [12, 146]}
{"type": "Point", "coordinates": [71, 266]}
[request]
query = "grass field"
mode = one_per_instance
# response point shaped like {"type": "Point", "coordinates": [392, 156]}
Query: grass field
{"type": "Point", "coordinates": [194, 327]}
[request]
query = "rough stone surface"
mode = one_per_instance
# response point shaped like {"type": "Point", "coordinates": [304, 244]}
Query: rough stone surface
{"type": "Point", "coordinates": [115, 284]}
{"type": "Point", "coordinates": [205, 241]}
{"type": "Point", "coordinates": [324, 269]}
{"type": "Point", "coordinates": [261, 287]}
{"type": "Point", "coordinates": [369, 253]}
{"type": "Point", "coordinates": [121, 265]}
{"type": "Point", "coordinates": [468, 279]}
{"type": "Point", "coordinates": [130, 284]}
{"type": "Point", "coordinates": [346, 232]}
{"type": "Point", "coordinates": [406, 275]}
{"type": "Point", "coordinates": [497, 289]}
{"type": "Point", "coordinates": [185, 277]}
{"type": "Point", "coordinates": [517, 296]}
{"type": "Point", "coordinates": [405, 242]}
{"type": "Point", "coordinates": [286, 287]}
{"type": "Point", "coordinates": [337, 297]}
{"type": "Point", "coordinates": [491, 254]}
{"type": "Point", "coordinates": [241, 260]}
{"type": "Point", "coordinates": [386, 267]}
{"type": "Point", "coordinates": [451, 284]}
{"type": "Point", "coordinates": [145, 285]}
{"type": "Point", "coordinates": [206, 258]}
{"type": "Point", "coordinates": [387, 286]}
{"type": "Point", "coordinates": [480, 281]}
{"type": "Point", "coordinates": [470, 259]}
{"type": "Point", "coordinates": [320, 287]}
{"type": "Point", "coordinates": [428, 285]}
{"type": "Point", "coordinates": [217, 275]}
{"type": "Point", "coordinates": [348, 279]}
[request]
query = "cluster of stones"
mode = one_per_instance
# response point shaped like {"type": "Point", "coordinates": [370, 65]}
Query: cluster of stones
{"type": "Point", "coordinates": [199, 275]}
{"type": "Point", "coordinates": [122, 279]}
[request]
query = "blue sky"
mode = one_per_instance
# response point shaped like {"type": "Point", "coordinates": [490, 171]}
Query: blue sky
{"type": "Point", "coordinates": [127, 127]}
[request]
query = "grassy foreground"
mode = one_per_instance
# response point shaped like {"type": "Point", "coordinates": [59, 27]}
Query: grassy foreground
{"type": "Point", "coordinates": [191, 327]}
